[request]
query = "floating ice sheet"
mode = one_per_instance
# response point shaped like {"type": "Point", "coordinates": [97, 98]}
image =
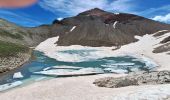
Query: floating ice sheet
{"type": "Point", "coordinates": [64, 72]}
{"type": "Point", "coordinates": [66, 67]}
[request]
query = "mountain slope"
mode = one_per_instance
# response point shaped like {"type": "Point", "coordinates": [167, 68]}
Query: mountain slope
{"type": "Point", "coordinates": [10, 32]}
{"type": "Point", "coordinates": [99, 28]}
{"type": "Point", "coordinates": [14, 45]}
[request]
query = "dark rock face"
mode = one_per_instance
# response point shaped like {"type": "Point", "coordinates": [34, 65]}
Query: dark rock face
{"type": "Point", "coordinates": [99, 28]}
{"type": "Point", "coordinates": [166, 40]}
{"type": "Point", "coordinates": [163, 48]}
{"type": "Point", "coordinates": [165, 45]}
{"type": "Point", "coordinates": [162, 77]}
{"type": "Point", "coordinates": [161, 33]}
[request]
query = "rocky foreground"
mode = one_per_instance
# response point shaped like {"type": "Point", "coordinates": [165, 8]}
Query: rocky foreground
{"type": "Point", "coordinates": [143, 78]}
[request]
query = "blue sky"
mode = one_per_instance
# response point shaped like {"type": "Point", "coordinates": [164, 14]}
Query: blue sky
{"type": "Point", "coordinates": [45, 11]}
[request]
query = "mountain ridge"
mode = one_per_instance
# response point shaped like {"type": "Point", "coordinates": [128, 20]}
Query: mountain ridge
{"type": "Point", "coordinates": [96, 27]}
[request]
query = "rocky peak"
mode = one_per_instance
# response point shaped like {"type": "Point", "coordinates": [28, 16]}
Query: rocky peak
{"type": "Point", "coordinates": [93, 12]}
{"type": "Point", "coordinates": [109, 17]}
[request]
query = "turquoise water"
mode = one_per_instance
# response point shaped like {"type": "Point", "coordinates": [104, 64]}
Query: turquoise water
{"type": "Point", "coordinates": [42, 62]}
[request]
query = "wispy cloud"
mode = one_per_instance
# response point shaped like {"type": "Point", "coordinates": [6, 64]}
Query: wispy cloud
{"type": "Point", "coordinates": [165, 18]}
{"type": "Point", "coordinates": [20, 19]}
{"type": "Point", "coordinates": [73, 7]}
{"type": "Point", "coordinates": [153, 11]}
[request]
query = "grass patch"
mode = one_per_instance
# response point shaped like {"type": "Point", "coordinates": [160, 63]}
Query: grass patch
{"type": "Point", "coordinates": [11, 49]}
{"type": "Point", "coordinates": [8, 34]}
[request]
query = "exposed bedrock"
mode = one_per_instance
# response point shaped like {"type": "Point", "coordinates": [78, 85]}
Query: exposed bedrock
{"type": "Point", "coordinates": [163, 48]}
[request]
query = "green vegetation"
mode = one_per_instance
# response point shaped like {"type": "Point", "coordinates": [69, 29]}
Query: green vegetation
{"type": "Point", "coordinates": [11, 49]}
{"type": "Point", "coordinates": [8, 34]}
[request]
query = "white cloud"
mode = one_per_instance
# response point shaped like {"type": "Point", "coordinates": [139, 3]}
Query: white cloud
{"type": "Point", "coordinates": [165, 18]}
{"type": "Point", "coordinates": [73, 7]}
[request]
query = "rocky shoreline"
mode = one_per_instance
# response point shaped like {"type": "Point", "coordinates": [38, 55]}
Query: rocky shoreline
{"type": "Point", "coordinates": [9, 63]}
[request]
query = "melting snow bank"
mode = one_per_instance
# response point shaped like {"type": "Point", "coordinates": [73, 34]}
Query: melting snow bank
{"type": "Point", "coordinates": [48, 45]}
{"type": "Point", "coordinates": [143, 49]}
{"type": "Point", "coordinates": [10, 85]}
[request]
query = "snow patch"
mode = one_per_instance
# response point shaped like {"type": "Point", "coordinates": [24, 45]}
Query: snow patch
{"type": "Point", "coordinates": [72, 28]}
{"type": "Point", "coordinates": [60, 19]}
{"type": "Point", "coordinates": [48, 46]}
{"type": "Point", "coordinates": [114, 25]}
{"type": "Point", "coordinates": [18, 75]}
